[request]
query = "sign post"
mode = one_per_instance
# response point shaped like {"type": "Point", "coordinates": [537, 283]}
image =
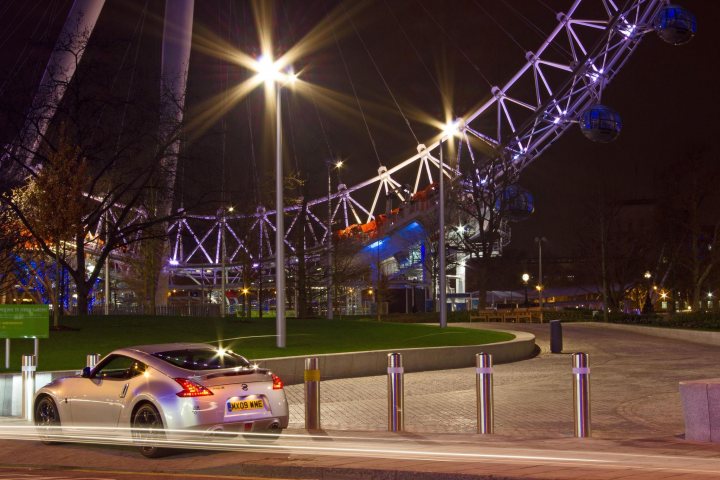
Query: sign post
{"type": "Point", "coordinates": [23, 321]}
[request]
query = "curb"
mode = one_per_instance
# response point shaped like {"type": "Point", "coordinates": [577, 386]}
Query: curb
{"type": "Point", "coordinates": [371, 363]}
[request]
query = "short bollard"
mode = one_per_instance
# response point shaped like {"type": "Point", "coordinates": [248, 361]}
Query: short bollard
{"type": "Point", "coordinates": [484, 386]}
{"type": "Point", "coordinates": [29, 364]}
{"type": "Point", "coordinates": [581, 394]}
{"type": "Point", "coordinates": [396, 420]}
{"type": "Point", "coordinates": [92, 359]}
{"type": "Point", "coordinates": [312, 394]}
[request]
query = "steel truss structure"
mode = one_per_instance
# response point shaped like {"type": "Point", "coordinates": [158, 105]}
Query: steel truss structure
{"type": "Point", "coordinates": [521, 119]}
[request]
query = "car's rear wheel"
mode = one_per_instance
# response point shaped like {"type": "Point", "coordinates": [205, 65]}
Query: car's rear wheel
{"type": "Point", "coordinates": [147, 425]}
{"type": "Point", "coordinates": [47, 419]}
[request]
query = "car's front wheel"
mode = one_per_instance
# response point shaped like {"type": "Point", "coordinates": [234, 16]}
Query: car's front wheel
{"type": "Point", "coordinates": [147, 425]}
{"type": "Point", "coordinates": [47, 419]}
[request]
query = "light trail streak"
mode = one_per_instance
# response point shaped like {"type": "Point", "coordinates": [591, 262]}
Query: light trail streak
{"type": "Point", "coordinates": [444, 449]}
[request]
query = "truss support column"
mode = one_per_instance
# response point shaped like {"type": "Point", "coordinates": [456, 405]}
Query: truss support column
{"type": "Point", "coordinates": [223, 271]}
{"type": "Point", "coordinates": [107, 272]}
{"type": "Point", "coordinates": [329, 247]}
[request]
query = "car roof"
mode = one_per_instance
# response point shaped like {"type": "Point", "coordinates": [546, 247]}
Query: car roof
{"type": "Point", "coordinates": [167, 347]}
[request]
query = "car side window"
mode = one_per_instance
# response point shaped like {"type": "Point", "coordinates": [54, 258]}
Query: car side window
{"type": "Point", "coordinates": [119, 367]}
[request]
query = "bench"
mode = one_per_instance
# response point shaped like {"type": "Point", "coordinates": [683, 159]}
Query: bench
{"type": "Point", "coordinates": [510, 315]}
{"type": "Point", "coordinates": [701, 409]}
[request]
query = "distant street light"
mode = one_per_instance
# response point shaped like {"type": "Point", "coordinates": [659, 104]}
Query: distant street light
{"type": "Point", "coordinates": [449, 130]}
{"type": "Point", "coordinates": [525, 279]}
{"type": "Point", "coordinates": [330, 165]}
{"type": "Point", "coordinates": [647, 306]}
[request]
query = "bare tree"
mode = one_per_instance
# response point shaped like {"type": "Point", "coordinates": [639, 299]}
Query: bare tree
{"type": "Point", "coordinates": [478, 203]}
{"type": "Point", "coordinates": [691, 223]}
{"type": "Point", "coordinates": [99, 175]}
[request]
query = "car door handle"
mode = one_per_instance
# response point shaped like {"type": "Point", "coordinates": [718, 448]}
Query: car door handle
{"type": "Point", "coordinates": [124, 390]}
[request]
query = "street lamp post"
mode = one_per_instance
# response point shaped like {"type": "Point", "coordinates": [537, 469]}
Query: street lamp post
{"type": "Point", "coordinates": [449, 130]}
{"type": "Point", "coordinates": [540, 287]}
{"type": "Point", "coordinates": [269, 71]}
{"type": "Point", "coordinates": [525, 279]}
{"type": "Point", "coordinates": [279, 226]}
{"type": "Point", "coordinates": [441, 246]}
{"type": "Point", "coordinates": [330, 164]}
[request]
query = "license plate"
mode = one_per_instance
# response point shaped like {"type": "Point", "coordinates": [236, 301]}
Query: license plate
{"type": "Point", "coordinates": [243, 405]}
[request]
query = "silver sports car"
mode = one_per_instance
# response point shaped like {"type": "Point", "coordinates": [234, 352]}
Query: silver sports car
{"type": "Point", "coordinates": [164, 388]}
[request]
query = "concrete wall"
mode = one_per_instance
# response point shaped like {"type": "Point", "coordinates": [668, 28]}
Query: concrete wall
{"type": "Point", "coordinates": [362, 364]}
{"type": "Point", "coordinates": [695, 336]}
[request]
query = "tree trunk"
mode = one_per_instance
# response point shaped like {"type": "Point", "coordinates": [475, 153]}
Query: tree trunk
{"type": "Point", "coordinates": [83, 289]}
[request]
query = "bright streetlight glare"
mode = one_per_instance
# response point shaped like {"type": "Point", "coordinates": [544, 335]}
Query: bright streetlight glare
{"type": "Point", "coordinates": [267, 69]}
{"type": "Point", "coordinates": [450, 129]}
{"type": "Point", "coordinates": [525, 277]}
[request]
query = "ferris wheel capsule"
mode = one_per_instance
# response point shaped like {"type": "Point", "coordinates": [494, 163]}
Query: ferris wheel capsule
{"type": "Point", "coordinates": [515, 203]}
{"type": "Point", "coordinates": [674, 24]}
{"type": "Point", "coordinates": [600, 124]}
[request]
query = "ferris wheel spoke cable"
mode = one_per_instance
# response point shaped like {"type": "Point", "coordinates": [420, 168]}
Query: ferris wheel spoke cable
{"type": "Point", "coordinates": [382, 77]}
{"type": "Point", "coordinates": [541, 2]}
{"type": "Point", "coordinates": [357, 100]}
{"type": "Point", "coordinates": [455, 44]}
{"type": "Point", "coordinates": [538, 31]}
{"type": "Point", "coordinates": [137, 35]}
{"type": "Point", "coordinates": [499, 25]}
{"type": "Point", "coordinates": [291, 114]}
{"type": "Point", "coordinates": [22, 58]}
{"type": "Point", "coordinates": [412, 45]}
{"type": "Point", "coordinates": [253, 157]}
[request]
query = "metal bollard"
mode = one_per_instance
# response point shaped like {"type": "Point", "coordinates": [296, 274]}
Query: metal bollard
{"type": "Point", "coordinates": [484, 386]}
{"type": "Point", "coordinates": [29, 364]}
{"type": "Point", "coordinates": [7, 354]}
{"type": "Point", "coordinates": [581, 394]}
{"type": "Point", "coordinates": [312, 394]}
{"type": "Point", "coordinates": [396, 420]}
{"type": "Point", "coordinates": [556, 341]}
{"type": "Point", "coordinates": [92, 359]}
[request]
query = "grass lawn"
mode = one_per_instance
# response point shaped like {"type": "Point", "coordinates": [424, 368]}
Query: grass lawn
{"type": "Point", "coordinates": [66, 349]}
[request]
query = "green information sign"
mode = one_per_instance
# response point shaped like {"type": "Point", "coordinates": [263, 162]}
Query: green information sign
{"type": "Point", "coordinates": [24, 321]}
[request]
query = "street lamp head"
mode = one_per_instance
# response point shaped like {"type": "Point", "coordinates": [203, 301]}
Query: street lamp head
{"type": "Point", "coordinates": [525, 277]}
{"type": "Point", "coordinates": [647, 275]}
{"type": "Point", "coordinates": [450, 129]}
{"type": "Point", "coordinates": [267, 69]}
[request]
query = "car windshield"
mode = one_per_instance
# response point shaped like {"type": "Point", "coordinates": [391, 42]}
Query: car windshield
{"type": "Point", "coordinates": [203, 359]}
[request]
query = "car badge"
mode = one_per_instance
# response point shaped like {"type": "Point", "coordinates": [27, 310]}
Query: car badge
{"type": "Point", "coordinates": [244, 387]}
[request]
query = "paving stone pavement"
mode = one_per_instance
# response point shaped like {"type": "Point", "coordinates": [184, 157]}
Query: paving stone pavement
{"type": "Point", "coordinates": [634, 389]}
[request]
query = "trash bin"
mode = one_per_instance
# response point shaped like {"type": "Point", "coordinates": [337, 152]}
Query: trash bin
{"type": "Point", "coordinates": [556, 343]}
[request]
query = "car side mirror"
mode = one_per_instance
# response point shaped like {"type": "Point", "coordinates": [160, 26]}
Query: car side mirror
{"type": "Point", "coordinates": [86, 372]}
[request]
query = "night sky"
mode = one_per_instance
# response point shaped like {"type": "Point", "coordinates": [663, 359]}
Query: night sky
{"type": "Point", "coordinates": [667, 96]}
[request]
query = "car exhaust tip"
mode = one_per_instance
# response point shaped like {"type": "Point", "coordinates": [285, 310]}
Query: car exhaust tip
{"type": "Point", "coordinates": [275, 426]}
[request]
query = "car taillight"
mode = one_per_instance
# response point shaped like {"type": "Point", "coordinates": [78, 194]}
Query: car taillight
{"type": "Point", "coordinates": [191, 389]}
{"type": "Point", "coordinates": [277, 383]}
